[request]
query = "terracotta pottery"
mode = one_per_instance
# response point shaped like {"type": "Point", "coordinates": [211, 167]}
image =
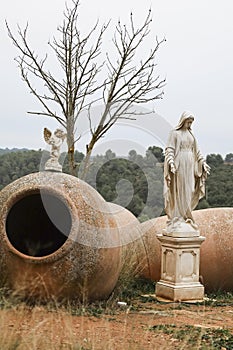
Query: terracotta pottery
{"type": "Point", "coordinates": [135, 252]}
{"type": "Point", "coordinates": [216, 266]}
{"type": "Point", "coordinates": [58, 239]}
{"type": "Point", "coordinates": [61, 239]}
{"type": "Point", "coordinates": [216, 260]}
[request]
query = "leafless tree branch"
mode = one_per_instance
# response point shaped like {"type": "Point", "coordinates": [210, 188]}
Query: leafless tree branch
{"type": "Point", "coordinates": [77, 57]}
{"type": "Point", "coordinates": [77, 87]}
{"type": "Point", "coordinates": [129, 83]}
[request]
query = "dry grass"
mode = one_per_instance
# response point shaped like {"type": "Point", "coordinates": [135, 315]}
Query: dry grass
{"type": "Point", "coordinates": [142, 324]}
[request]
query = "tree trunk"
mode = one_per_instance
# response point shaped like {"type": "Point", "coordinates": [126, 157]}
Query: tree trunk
{"type": "Point", "coordinates": [70, 144]}
{"type": "Point", "coordinates": [86, 162]}
{"type": "Point", "coordinates": [71, 161]}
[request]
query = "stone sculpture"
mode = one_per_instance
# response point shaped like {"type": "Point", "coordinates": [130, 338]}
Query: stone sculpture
{"type": "Point", "coordinates": [55, 140]}
{"type": "Point", "coordinates": [185, 172]}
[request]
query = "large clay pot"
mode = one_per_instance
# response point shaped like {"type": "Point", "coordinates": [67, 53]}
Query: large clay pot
{"type": "Point", "coordinates": [58, 238]}
{"type": "Point", "coordinates": [152, 266]}
{"type": "Point", "coordinates": [216, 265]}
{"type": "Point", "coordinates": [216, 257]}
{"type": "Point", "coordinates": [135, 251]}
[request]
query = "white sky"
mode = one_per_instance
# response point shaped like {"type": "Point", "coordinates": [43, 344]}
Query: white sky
{"type": "Point", "coordinates": [196, 60]}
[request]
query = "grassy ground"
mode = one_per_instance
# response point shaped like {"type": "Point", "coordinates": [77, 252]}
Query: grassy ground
{"type": "Point", "coordinates": [141, 323]}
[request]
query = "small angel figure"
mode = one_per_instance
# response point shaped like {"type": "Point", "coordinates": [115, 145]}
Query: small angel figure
{"type": "Point", "coordinates": [55, 140]}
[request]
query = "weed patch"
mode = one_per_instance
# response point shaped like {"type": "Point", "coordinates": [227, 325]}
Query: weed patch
{"type": "Point", "coordinates": [207, 338]}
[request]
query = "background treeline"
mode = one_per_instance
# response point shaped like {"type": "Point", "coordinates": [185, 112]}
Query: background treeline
{"type": "Point", "coordinates": [135, 181]}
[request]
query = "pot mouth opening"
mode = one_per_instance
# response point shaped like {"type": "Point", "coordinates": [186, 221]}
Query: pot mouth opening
{"type": "Point", "coordinates": [38, 224]}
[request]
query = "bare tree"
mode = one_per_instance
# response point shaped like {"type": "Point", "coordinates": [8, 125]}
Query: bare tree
{"type": "Point", "coordinates": [127, 84]}
{"type": "Point", "coordinates": [77, 59]}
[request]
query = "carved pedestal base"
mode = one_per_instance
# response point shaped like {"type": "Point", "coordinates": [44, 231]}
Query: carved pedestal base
{"type": "Point", "coordinates": [53, 165]}
{"type": "Point", "coordinates": [180, 268]}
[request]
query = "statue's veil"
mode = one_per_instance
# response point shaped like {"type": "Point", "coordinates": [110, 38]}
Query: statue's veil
{"type": "Point", "coordinates": [184, 116]}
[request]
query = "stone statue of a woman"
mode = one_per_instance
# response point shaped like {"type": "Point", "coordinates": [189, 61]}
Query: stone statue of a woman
{"type": "Point", "coordinates": [185, 172]}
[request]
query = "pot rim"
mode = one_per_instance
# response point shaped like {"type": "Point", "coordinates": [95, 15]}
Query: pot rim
{"type": "Point", "coordinates": [71, 238]}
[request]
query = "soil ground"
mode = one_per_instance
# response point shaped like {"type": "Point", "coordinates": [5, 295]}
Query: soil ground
{"type": "Point", "coordinates": [140, 325]}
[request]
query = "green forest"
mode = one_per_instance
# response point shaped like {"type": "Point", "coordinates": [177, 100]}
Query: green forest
{"type": "Point", "coordinates": [135, 181]}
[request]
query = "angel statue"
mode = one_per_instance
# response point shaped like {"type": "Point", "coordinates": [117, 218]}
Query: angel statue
{"type": "Point", "coordinates": [185, 172]}
{"type": "Point", "coordinates": [55, 140]}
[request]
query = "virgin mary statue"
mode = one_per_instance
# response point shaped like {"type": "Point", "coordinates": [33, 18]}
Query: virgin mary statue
{"type": "Point", "coordinates": [185, 172]}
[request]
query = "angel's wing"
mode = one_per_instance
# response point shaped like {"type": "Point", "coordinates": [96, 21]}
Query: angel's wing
{"type": "Point", "coordinates": [47, 134]}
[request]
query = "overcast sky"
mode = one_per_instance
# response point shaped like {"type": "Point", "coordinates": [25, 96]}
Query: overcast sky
{"type": "Point", "coordinates": [196, 61]}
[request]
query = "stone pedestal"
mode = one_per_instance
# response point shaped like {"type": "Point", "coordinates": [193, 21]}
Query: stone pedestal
{"type": "Point", "coordinates": [53, 165]}
{"type": "Point", "coordinates": [180, 261]}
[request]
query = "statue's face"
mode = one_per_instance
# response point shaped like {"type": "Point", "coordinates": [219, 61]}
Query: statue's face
{"type": "Point", "coordinates": [188, 123]}
{"type": "Point", "coordinates": [53, 140]}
